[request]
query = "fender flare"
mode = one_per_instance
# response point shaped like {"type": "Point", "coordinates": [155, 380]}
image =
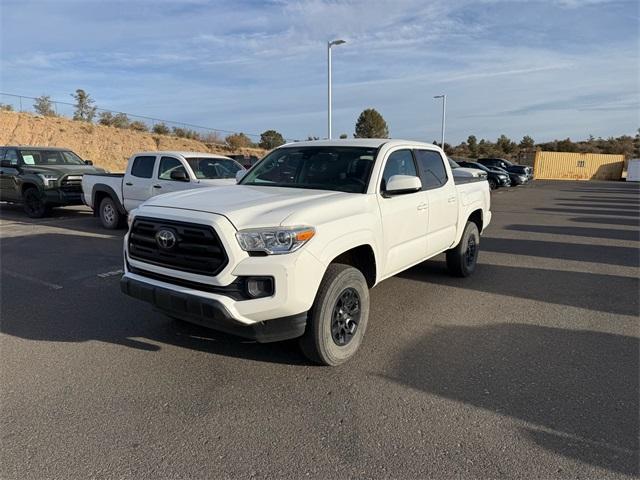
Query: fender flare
{"type": "Point", "coordinates": [102, 188]}
{"type": "Point", "coordinates": [340, 245]}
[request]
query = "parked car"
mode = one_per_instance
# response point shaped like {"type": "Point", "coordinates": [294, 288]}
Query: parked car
{"type": "Point", "coordinates": [460, 171]}
{"type": "Point", "coordinates": [113, 195]}
{"type": "Point", "coordinates": [523, 171]}
{"type": "Point", "coordinates": [516, 178]}
{"type": "Point", "coordinates": [294, 248]}
{"type": "Point", "coordinates": [508, 166]}
{"type": "Point", "coordinates": [495, 177]}
{"type": "Point", "coordinates": [41, 178]}
{"type": "Point", "coordinates": [247, 161]}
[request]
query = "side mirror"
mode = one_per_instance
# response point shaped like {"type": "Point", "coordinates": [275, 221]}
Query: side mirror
{"type": "Point", "coordinates": [8, 164]}
{"type": "Point", "coordinates": [240, 175]}
{"type": "Point", "coordinates": [180, 175]}
{"type": "Point", "coordinates": [88, 162]}
{"type": "Point", "coordinates": [399, 184]}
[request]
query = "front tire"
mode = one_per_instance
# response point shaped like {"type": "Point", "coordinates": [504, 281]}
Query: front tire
{"type": "Point", "coordinates": [462, 259]}
{"type": "Point", "coordinates": [492, 184]}
{"type": "Point", "coordinates": [34, 204]}
{"type": "Point", "coordinates": [338, 318]}
{"type": "Point", "coordinates": [109, 215]}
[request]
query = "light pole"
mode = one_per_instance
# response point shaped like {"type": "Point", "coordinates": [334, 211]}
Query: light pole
{"type": "Point", "coordinates": [329, 45]}
{"type": "Point", "coordinates": [444, 113]}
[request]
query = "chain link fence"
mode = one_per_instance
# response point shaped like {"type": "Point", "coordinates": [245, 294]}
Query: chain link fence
{"type": "Point", "coordinates": [21, 103]}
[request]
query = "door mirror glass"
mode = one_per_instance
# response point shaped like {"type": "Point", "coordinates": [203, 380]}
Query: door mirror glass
{"type": "Point", "coordinates": [8, 164]}
{"type": "Point", "coordinates": [240, 174]}
{"type": "Point", "coordinates": [88, 162]}
{"type": "Point", "coordinates": [180, 175]}
{"type": "Point", "coordinates": [399, 184]}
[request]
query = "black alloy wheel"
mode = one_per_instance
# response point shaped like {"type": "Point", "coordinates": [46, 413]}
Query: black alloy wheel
{"type": "Point", "coordinates": [346, 316]}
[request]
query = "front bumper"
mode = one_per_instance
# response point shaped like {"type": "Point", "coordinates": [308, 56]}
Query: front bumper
{"type": "Point", "coordinates": [211, 312]}
{"type": "Point", "coordinates": [61, 197]}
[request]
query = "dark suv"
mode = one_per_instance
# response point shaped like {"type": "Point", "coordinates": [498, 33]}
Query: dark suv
{"type": "Point", "coordinates": [42, 177]}
{"type": "Point", "coordinates": [513, 168]}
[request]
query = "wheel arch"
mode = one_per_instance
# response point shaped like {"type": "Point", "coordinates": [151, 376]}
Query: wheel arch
{"type": "Point", "coordinates": [99, 192]}
{"type": "Point", "coordinates": [361, 257]}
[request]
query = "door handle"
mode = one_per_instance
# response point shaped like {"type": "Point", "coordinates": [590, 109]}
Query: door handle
{"type": "Point", "coordinates": [451, 199]}
{"type": "Point", "coordinates": [157, 186]}
{"type": "Point", "coordinates": [423, 206]}
{"type": "Point", "coordinates": [129, 184]}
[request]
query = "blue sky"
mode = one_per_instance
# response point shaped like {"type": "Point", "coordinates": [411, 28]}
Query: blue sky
{"type": "Point", "coordinates": [547, 68]}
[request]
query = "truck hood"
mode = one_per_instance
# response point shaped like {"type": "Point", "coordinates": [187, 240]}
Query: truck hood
{"type": "Point", "coordinates": [62, 169]}
{"type": "Point", "coordinates": [467, 172]}
{"type": "Point", "coordinates": [217, 182]}
{"type": "Point", "coordinates": [250, 206]}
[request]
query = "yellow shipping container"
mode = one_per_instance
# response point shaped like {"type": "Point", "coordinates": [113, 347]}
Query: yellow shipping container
{"type": "Point", "coordinates": [577, 166]}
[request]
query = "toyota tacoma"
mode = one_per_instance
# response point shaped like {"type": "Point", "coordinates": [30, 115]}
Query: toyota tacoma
{"type": "Point", "coordinates": [294, 248]}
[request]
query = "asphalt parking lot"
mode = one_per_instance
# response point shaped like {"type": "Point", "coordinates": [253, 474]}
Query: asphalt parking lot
{"type": "Point", "coordinates": [527, 369]}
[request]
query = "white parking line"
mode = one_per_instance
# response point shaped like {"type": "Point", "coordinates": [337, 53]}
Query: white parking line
{"type": "Point", "coordinates": [27, 278]}
{"type": "Point", "coordinates": [112, 273]}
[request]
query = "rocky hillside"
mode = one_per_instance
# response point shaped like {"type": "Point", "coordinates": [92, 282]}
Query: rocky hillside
{"type": "Point", "coordinates": [108, 147]}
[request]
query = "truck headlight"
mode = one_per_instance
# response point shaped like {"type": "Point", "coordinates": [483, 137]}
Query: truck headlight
{"type": "Point", "coordinates": [48, 179]}
{"type": "Point", "coordinates": [276, 240]}
{"type": "Point", "coordinates": [503, 176]}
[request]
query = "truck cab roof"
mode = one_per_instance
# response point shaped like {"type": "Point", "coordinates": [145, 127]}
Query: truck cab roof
{"type": "Point", "coordinates": [359, 142]}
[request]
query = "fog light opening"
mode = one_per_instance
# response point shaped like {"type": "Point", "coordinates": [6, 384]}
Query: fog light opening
{"type": "Point", "coordinates": [258, 287]}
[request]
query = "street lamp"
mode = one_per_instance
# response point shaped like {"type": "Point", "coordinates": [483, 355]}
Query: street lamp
{"type": "Point", "coordinates": [329, 45]}
{"type": "Point", "coordinates": [444, 107]}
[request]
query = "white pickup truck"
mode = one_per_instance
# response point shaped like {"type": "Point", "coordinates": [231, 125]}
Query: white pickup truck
{"type": "Point", "coordinates": [293, 250]}
{"type": "Point", "coordinates": [113, 195]}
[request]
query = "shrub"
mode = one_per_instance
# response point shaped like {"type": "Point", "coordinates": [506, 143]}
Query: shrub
{"type": "Point", "coordinates": [238, 140]}
{"type": "Point", "coordinates": [138, 126]}
{"type": "Point", "coordinates": [44, 106]}
{"type": "Point", "coordinates": [161, 129]}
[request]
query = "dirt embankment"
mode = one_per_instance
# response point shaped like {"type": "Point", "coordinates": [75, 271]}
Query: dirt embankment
{"type": "Point", "coordinates": [107, 147]}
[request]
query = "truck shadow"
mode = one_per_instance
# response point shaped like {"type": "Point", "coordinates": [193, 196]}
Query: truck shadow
{"type": "Point", "coordinates": [65, 288]}
{"type": "Point", "coordinates": [576, 390]}
{"type": "Point", "coordinates": [576, 289]}
{"type": "Point", "coordinates": [611, 255]}
{"type": "Point", "coordinates": [609, 233]}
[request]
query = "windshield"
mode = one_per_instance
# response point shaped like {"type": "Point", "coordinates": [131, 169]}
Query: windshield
{"type": "Point", "coordinates": [213, 168]}
{"type": "Point", "coordinates": [345, 169]}
{"type": "Point", "coordinates": [50, 157]}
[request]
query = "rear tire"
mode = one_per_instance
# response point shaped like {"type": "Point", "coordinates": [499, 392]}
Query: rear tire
{"type": "Point", "coordinates": [34, 204]}
{"type": "Point", "coordinates": [462, 259]}
{"type": "Point", "coordinates": [110, 217]}
{"type": "Point", "coordinates": [338, 318]}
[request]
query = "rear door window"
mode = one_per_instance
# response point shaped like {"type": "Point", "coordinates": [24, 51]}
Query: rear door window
{"type": "Point", "coordinates": [432, 170]}
{"type": "Point", "coordinates": [143, 166]}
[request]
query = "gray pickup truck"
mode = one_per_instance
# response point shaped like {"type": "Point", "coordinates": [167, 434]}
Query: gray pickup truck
{"type": "Point", "coordinates": [42, 177]}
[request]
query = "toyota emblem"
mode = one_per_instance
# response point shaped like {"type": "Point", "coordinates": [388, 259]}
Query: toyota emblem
{"type": "Point", "coordinates": [166, 239]}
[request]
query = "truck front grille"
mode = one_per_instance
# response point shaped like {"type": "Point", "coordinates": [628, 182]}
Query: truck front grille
{"type": "Point", "coordinates": [196, 249]}
{"type": "Point", "coordinates": [71, 183]}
